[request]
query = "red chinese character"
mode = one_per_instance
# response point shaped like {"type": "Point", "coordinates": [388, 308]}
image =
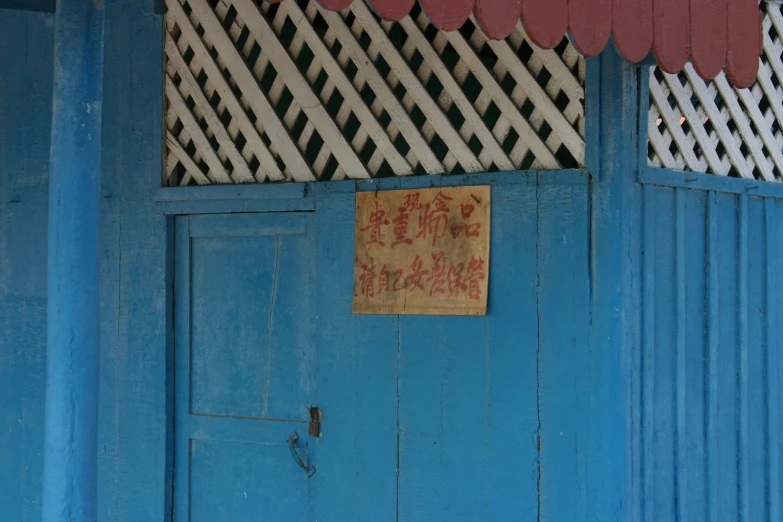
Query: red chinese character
{"type": "Point", "coordinates": [414, 279]}
{"type": "Point", "coordinates": [434, 221]}
{"type": "Point", "coordinates": [377, 219]}
{"type": "Point", "coordinates": [466, 209]}
{"type": "Point", "coordinates": [438, 276]}
{"type": "Point", "coordinates": [401, 228]}
{"type": "Point", "coordinates": [367, 280]}
{"type": "Point", "coordinates": [412, 202]}
{"type": "Point", "coordinates": [383, 280]}
{"type": "Point", "coordinates": [475, 274]}
{"type": "Point", "coordinates": [456, 280]}
{"type": "Point", "coordinates": [399, 282]}
{"type": "Point", "coordinates": [471, 230]}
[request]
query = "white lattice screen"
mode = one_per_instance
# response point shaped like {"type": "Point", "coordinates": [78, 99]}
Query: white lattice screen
{"type": "Point", "coordinates": [291, 92]}
{"type": "Point", "coordinates": [711, 127]}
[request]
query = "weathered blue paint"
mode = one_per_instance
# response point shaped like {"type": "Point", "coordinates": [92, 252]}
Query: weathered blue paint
{"type": "Point", "coordinates": [557, 415]}
{"type": "Point", "coordinates": [71, 429]}
{"type": "Point", "coordinates": [244, 376]}
{"type": "Point", "coordinates": [45, 6]}
{"type": "Point", "coordinates": [710, 373]}
{"type": "Point", "coordinates": [25, 108]}
{"type": "Point", "coordinates": [135, 412]}
{"type": "Point", "coordinates": [595, 291]}
{"type": "Point", "coordinates": [414, 407]}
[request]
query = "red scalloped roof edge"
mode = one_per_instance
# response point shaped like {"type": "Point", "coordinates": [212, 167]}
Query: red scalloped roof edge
{"type": "Point", "coordinates": [676, 31]}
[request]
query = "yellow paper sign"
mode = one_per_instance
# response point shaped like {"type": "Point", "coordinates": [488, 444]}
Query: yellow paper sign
{"type": "Point", "coordinates": [422, 251]}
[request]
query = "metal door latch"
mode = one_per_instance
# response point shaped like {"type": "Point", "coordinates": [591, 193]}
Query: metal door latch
{"type": "Point", "coordinates": [309, 468]}
{"type": "Point", "coordinates": [315, 422]}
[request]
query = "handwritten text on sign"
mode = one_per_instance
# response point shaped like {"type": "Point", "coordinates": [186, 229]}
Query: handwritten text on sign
{"type": "Point", "coordinates": [422, 251]}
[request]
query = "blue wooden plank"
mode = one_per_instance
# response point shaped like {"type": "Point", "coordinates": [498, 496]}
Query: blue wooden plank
{"type": "Point", "coordinates": [772, 238]}
{"type": "Point", "coordinates": [420, 382]}
{"type": "Point", "coordinates": [376, 430]}
{"type": "Point", "coordinates": [231, 206]}
{"type": "Point", "coordinates": [648, 359]}
{"type": "Point", "coordinates": [695, 181]}
{"type": "Point", "coordinates": [777, 371]}
{"type": "Point", "coordinates": [336, 366]}
{"type": "Point", "coordinates": [233, 193]}
{"type": "Point", "coordinates": [134, 476]}
{"type": "Point", "coordinates": [460, 380]}
{"type": "Point", "coordinates": [727, 421]}
{"type": "Point", "coordinates": [756, 346]}
{"type": "Point", "coordinates": [464, 411]}
{"type": "Point", "coordinates": [421, 484]}
{"type": "Point", "coordinates": [226, 225]}
{"type": "Point", "coordinates": [350, 466]}
{"type": "Point", "coordinates": [691, 278]}
{"type": "Point", "coordinates": [25, 112]}
{"type": "Point", "coordinates": [512, 351]}
{"type": "Point", "coordinates": [564, 360]}
{"type": "Point", "coordinates": [181, 375]}
{"type": "Point", "coordinates": [742, 325]}
{"type": "Point", "coordinates": [420, 376]}
{"type": "Point", "coordinates": [682, 467]}
{"type": "Point", "coordinates": [663, 373]}
{"type": "Point", "coordinates": [713, 327]}
{"type": "Point", "coordinates": [413, 182]}
{"type": "Point", "coordinates": [615, 255]}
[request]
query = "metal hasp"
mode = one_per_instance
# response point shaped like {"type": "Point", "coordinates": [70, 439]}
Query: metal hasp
{"type": "Point", "coordinates": [309, 468]}
{"type": "Point", "coordinates": [314, 429]}
{"type": "Point", "coordinates": [71, 433]}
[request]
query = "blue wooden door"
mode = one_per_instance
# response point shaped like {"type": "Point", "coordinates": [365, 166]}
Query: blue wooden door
{"type": "Point", "coordinates": [243, 380]}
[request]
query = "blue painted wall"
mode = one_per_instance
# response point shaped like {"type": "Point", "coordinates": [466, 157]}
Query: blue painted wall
{"type": "Point", "coordinates": [645, 342]}
{"type": "Point", "coordinates": [708, 368]}
{"type": "Point", "coordinates": [25, 118]}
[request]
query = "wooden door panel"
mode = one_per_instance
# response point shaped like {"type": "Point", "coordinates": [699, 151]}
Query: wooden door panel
{"type": "Point", "coordinates": [239, 482]}
{"type": "Point", "coordinates": [242, 368]}
{"type": "Point", "coordinates": [232, 294]}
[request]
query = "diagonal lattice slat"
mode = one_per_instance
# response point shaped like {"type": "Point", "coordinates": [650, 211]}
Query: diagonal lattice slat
{"type": "Point", "coordinates": [711, 127]}
{"type": "Point", "coordinates": [259, 92]}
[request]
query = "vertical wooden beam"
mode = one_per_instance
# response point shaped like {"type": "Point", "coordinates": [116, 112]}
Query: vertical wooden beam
{"type": "Point", "coordinates": [71, 433]}
{"type": "Point", "coordinates": [615, 108]}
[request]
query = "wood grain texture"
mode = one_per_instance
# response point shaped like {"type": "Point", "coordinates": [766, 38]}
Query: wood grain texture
{"type": "Point", "coordinates": [563, 336]}
{"type": "Point", "coordinates": [546, 21]}
{"type": "Point", "coordinates": [708, 36]}
{"type": "Point", "coordinates": [422, 251]}
{"type": "Point", "coordinates": [357, 452]}
{"type": "Point", "coordinates": [497, 18]}
{"type": "Point", "coordinates": [614, 261]}
{"type": "Point", "coordinates": [772, 215]}
{"type": "Point", "coordinates": [590, 24]}
{"type": "Point", "coordinates": [632, 28]}
{"type": "Point", "coordinates": [743, 42]}
{"type": "Point", "coordinates": [671, 33]}
{"type": "Point", "coordinates": [448, 15]}
{"type": "Point", "coordinates": [26, 72]}
{"type": "Point", "coordinates": [458, 380]}
{"type": "Point", "coordinates": [720, 349]}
